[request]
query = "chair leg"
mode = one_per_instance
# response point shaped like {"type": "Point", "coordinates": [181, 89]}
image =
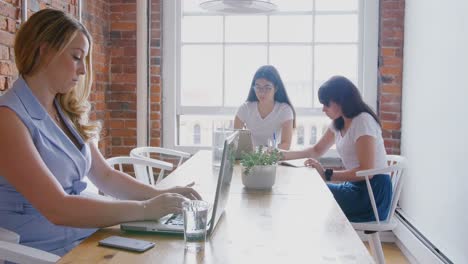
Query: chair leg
{"type": "Point", "coordinates": [376, 247]}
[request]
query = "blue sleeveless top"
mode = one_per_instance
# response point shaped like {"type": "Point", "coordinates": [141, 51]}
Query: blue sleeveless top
{"type": "Point", "coordinates": [66, 162]}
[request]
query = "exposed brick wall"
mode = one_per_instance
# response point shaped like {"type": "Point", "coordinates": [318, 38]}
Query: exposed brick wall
{"type": "Point", "coordinates": [121, 97]}
{"type": "Point", "coordinates": [391, 71]}
{"type": "Point", "coordinates": [96, 16]}
{"type": "Point", "coordinates": [155, 73]}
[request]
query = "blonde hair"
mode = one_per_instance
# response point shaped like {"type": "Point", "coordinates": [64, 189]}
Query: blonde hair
{"type": "Point", "coordinates": [57, 29]}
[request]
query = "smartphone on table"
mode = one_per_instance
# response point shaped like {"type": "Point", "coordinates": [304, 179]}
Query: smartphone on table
{"type": "Point", "coordinates": [126, 243]}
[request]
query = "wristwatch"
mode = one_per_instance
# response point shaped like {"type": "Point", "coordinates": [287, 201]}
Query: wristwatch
{"type": "Point", "coordinates": [328, 174]}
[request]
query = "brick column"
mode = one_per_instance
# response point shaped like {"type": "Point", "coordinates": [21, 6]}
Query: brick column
{"type": "Point", "coordinates": [391, 71]}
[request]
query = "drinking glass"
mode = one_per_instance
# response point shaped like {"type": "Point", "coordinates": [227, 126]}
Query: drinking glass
{"type": "Point", "coordinates": [195, 222]}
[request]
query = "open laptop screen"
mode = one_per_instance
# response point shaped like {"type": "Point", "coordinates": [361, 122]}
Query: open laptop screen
{"type": "Point", "coordinates": [225, 176]}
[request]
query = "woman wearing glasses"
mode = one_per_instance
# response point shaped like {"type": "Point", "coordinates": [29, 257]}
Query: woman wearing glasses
{"type": "Point", "coordinates": [267, 112]}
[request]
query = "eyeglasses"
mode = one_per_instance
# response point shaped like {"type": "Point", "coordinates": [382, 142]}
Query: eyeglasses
{"type": "Point", "coordinates": [263, 89]}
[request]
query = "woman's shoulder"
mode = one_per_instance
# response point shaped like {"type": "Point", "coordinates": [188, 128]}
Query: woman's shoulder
{"type": "Point", "coordinates": [245, 109]}
{"type": "Point", "coordinates": [365, 117]}
{"type": "Point", "coordinates": [248, 104]}
{"type": "Point", "coordinates": [283, 106]}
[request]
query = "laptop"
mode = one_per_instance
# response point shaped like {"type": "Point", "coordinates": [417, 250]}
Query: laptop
{"type": "Point", "coordinates": [245, 143]}
{"type": "Point", "coordinates": [173, 223]}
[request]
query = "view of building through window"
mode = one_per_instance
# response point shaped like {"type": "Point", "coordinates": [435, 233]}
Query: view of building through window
{"type": "Point", "coordinates": [308, 41]}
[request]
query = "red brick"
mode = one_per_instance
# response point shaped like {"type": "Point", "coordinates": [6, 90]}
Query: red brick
{"type": "Point", "coordinates": [129, 142]}
{"type": "Point", "coordinates": [394, 108]}
{"type": "Point", "coordinates": [8, 10]}
{"type": "Point", "coordinates": [391, 89]}
{"type": "Point", "coordinates": [130, 124]}
{"type": "Point", "coordinates": [3, 86]}
{"type": "Point", "coordinates": [4, 53]}
{"type": "Point", "coordinates": [391, 125]}
{"type": "Point", "coordinates": [390, 98]}
{"type": "Point", "coordinates": [123, 26]}
{"type": "Point", "coordinates": [123, 97]}
{"type": "Point", "coordinates": [113, 124]}
{"type": "Point", "coordinates": [123, 132]}
{"type": "Point", "coordinates": [388, 52]}
{"type": "Point", "coordinates": [6, 38]}
{"type": "Point", "coordinates": [391, 70]}
{"type": "Point", "coordinates": [3, 24]}
{"type": "Point", "coordinates": [124, 78]}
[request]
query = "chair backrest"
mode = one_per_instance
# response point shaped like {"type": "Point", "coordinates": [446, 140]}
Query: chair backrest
{"type": "Point", "coordinates": [138, 164]}
{"type": "Point", "coordinates": [145, 152]}
{"type": "Point", "coordinates": [9, 236]}
{"type": "Point", "coordinates": [396, 175]}
{"type": "Point", "coordinates": [396, 169]}
{"type": "Point", "coordinates": [11, 251]}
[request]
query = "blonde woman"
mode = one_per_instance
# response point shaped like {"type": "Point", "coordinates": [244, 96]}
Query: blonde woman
{"type": "Point", "coordinates": [46, 149]}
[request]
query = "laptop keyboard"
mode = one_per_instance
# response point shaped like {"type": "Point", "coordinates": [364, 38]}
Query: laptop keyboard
{"type": "Point", "coordinates": [176, 219]}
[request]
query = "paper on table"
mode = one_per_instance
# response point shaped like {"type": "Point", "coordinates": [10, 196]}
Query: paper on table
{"type": "Point", "coordinates": [293, 163]}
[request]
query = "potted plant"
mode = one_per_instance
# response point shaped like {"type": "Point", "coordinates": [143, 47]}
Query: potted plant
{"type": "Point", "coordinates": [259, 168]}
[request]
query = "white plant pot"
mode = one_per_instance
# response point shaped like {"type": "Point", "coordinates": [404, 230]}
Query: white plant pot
{"type": "Point", "coordinates": [259, 177]}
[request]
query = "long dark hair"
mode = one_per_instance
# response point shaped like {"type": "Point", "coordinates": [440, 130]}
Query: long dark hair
{"type": "Point", "coordinates": [271, 74]}
{"type": "Point", "coordinates": [340, 90]}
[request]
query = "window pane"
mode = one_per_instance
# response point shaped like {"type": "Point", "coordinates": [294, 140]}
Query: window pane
{"type": "Point", "coordinates": [335, 60]}
{"type": "Point", "coordinates": [291, 28]}
{"type": "Point", "coordinates": [294, 5]}
{"type": "Point", "coordinates": [305, 125]}
{"type": "Point", "coordinates": [202, 29]}
{"type": "Point", "coordinates": [300, 135]}
{"type": "Point", "coordinates": [336, 5]}
{"type": "Point", "coordinates": [313, 135]}
{"type": "Point", "coordinates": [241, 64]}
{"type": "Point", "coordinates": [201, 75]}
{"type": "Point", "coordinates": [336, 28]}
{"type": "Point", "coordinates": [294, 64]}
{"type": "Point", "coordinates": [205, 124]}
{"type": "Point", "coordinates": [236, 28]}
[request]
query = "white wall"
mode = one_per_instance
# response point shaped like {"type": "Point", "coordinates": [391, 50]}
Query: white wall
{"type": "Point", "coordinates": [435, 123]}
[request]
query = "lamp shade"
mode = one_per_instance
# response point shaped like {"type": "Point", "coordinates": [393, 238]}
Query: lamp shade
{"type": "Point", "coordinates": [238, 6]}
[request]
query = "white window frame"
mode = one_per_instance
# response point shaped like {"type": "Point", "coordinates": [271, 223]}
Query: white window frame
{"type": "Point", "coordinates": [171, 24]}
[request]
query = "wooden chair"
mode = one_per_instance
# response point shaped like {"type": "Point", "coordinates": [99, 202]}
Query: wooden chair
{"type": "Point", "coordinates": [395, 169]}
{"type": "Point", "coordinates": [146, 153]}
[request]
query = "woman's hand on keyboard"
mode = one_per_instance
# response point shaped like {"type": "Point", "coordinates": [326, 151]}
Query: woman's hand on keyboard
{"type": "Point", "coordinates": [186, 191]}
{"type": "Point", "coordinates": [161, 205]}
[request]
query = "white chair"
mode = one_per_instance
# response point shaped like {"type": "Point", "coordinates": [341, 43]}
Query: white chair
{"type": "Point", "coordinates": [395, 170]}
{"type": "Point", "coordinates": [12, 251]}
{"type": "Point", "coordinates": [139, 163]}
{"type": "Point", "coordinates": [146, 152]}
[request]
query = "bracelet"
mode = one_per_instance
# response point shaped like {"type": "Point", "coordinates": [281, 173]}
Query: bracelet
{"type": "Point", "coordinates": [328, 174]}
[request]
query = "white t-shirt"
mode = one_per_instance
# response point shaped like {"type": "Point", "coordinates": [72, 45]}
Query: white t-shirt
{"type": "Point", "coordinates": [263, 129]}
{"type": "Point", "coordinates": [362, 124]}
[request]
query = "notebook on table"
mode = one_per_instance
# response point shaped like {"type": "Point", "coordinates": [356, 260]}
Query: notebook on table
{"type": "Point", "coordinates": [173, 223]}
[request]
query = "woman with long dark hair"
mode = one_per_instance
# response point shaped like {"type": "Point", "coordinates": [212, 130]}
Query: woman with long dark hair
{"type": "Point", "coordinates": [267, 112]}
{"type": "Point", "coordinates": [356, 131]}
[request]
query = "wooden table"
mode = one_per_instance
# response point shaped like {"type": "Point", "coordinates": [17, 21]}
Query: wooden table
{"type": "Point", "coordinates": [297, 221]}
